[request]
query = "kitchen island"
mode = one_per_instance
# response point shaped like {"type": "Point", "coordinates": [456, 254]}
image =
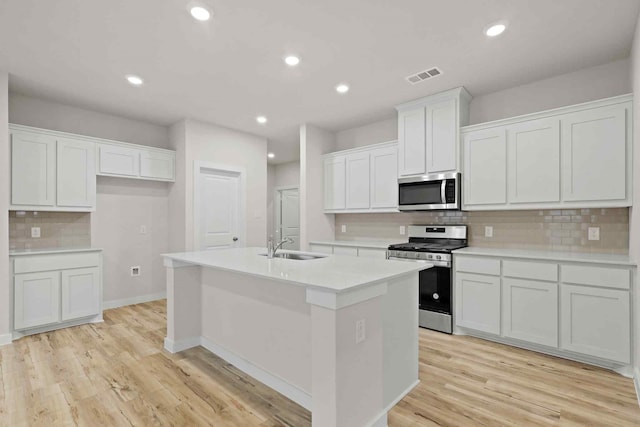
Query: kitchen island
{"type": "Point", "coordinates": [337, 334]}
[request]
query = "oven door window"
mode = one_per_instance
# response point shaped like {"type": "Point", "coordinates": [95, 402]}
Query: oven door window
{"type": "Point", "coordinates": [435, 289]}
{"type": "Point", "coordinates": [421, 193]}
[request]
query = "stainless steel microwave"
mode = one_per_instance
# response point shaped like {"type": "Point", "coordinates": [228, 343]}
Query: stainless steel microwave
{"type": "Point", "coordinates": [429, 192]}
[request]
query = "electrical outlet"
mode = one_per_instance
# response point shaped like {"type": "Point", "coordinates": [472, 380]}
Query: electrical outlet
{"type": "Point", "coordinates": [344, 228]}
{"type": "Point", "coordinates": [360, 331]}
{"type": "Point", "coordinates": [403, 230]}
{"type": "Point", "coordinates": [488, 231]}
{"type": "Point", "coordinates": [135, 271]}
{"type": "Point", "coordinates": [594, 233]}
{"type": "Point", "coordinates": [35, 232]}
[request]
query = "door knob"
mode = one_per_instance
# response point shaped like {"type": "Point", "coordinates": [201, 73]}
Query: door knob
{"type": "Point", "coordinates": [235, 239]}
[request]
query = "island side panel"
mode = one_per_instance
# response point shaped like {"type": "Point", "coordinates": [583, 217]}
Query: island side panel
{"type": "Point", "coordinates": [183, 308]}
{"type": "Point", "coordinates": [347, 375]}
{"type": "Point", "coordinates": [264, 322]}
{"type": "Point", "coordinates": [400, 328]}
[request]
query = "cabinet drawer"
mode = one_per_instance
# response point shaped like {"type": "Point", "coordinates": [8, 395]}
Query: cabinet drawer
{"type": "Point", "coordinates": [321, 249]}
{"type": "Point", "coordinates": [372, 253]}
{"type": "Point", "coordinates": [478, 265]}
{"type": "Point", "coordinates": [32, 264]}
{"type": "Point", "coordinates": [345, 250]}
{"type": "Point", "coordinates": [530, 270]}
{"type": "Point", "coordinates": [596, 276]}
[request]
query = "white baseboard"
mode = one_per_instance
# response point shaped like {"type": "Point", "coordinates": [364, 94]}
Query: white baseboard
{"type": "Point", "coordinates": [177, 346]}
{"type": "Point", "coordinates": [636, 382]}
{"type": "Point", "coordinates": [292, 392]}
{"type": "Point", "coordinates": [6, 339]}
{"type": "Point", "coordinates": [381, 420]}
{"type": "Point", "coordinates": [135, 300]}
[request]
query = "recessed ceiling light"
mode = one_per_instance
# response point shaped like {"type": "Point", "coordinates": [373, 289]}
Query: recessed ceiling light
{"type": "Point", "coordinates": [271, 155]}
{"type": "Point", "coordinates": [342, 88]}
{"type": "Point", "coordinates": [200, 13]}
{"type": "Point", "coordinates": [292, 61]}
{"type": "Point", "coordinates": [134, 80]}
{"type": "Point", "coordinates": [261, 119]}
{"type": "Point", "coordinates": [495, 29]}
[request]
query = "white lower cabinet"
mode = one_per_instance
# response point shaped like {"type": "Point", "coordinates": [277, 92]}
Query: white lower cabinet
{"type": "Point", "coordinates": [349, 250]}
{"type": "Point", "coordinates": [530, 311]}
{"type": "Point", "coordinates": [478, 302]}
{"type": "Point", "coordinates": [36, 299]}
{"type": "Point", "coordinates": [569, 309]}
{"type": "Point", "coordinates": [345, 250]}
{"type": "Point", "coordinates": [54, 288]}
{"type": "Point", "coordinates": [80, 292]}
{"type": "Point", "coordinates": [596, 321]}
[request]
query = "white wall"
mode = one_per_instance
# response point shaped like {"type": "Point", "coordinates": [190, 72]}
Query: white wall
{"type": "Point", "coordinates": [178, 191]}
{"type": "Point", "coordinates": [314, 223]}
{"type": "Point", "coordinates": [122, 205]}
{"type": "Point", "coordinates": [30, 111]}
{"type": "Point", "coordinates": [271, 185]}
{"type": "Point", "coordinates": [580, 86]}
{"type": "Point", "coordinates": [634, 217]}
{"type": "Point", "coordinates": [5, 301]}
{"type": "Point", "coordinates": [207, 142]}
{"type": "Point", "coordinates": [287, 174]}
{"type": "Point", "coordinates": [372, 133]}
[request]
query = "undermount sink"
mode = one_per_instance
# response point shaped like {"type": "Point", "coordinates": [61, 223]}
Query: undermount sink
{"type": "Point", "coordinates": [298, 257]}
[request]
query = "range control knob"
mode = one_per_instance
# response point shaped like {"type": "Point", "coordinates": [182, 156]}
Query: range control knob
{"type": "Point", "coordinates": [436, 296]}
{"type": "Point", "coordinates": [438, 257]}
{"type": "Point", "coordinates": [429, 256]}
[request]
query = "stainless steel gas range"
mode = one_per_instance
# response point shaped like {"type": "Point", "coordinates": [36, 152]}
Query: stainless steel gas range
{"type": "Point", "coordinates": [433, 244]}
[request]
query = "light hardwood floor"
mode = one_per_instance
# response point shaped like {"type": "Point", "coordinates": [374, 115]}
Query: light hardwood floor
{"type": "Point", "coordinates": [116, 373]}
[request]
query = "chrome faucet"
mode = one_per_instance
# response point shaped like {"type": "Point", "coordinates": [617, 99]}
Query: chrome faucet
{"type": "Point", "coordinates": [272, 249]}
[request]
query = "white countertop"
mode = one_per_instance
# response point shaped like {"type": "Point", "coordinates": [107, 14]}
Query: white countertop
{"type": "Point", "coordinates": [374, 244]}
{"type": "Point", "coordinates": [336, 273]}
{"type": "Point", "coordinates": [548, 255]}
{"type": "Point", "coordinates": [23, 252]}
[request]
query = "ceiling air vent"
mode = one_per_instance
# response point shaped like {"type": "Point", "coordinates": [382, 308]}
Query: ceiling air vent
{"type": "Point", "coordinates": [423, 75]}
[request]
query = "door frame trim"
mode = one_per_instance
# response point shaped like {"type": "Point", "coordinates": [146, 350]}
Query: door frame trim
{"type": "Point", "coordinates": [276, 206]}
{"type": "Point", "coordinates": [198, 166]}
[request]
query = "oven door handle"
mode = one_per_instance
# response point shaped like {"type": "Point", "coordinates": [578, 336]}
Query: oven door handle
{"type": "Point", "coordinates": [423, 261]}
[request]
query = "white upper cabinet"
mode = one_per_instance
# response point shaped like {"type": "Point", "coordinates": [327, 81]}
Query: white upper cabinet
{"type": "Point", "coordinates": [357, 165]}
{"type": "Point", "coordinates": [534, 161]}
{"type": "Point", "coordinates": [572, 157]}
{"type": "Point", "coordinates": [442, 133]}
{"type": "Point", "coordinates": [412, 151]}
{"type": "Point", "coordinates": [76, 173]}
{"type": "Point", "coordinates": [362, 179]}
{"type": "Point", "coordinates": [136, 161]}
{"type": "Point", "coordinates": [157, 165]}
{"type": "Point", "coordinates": [485, 168]}
{"type": "Point", "coordinates": [50, 172]}
{"type": "Point", "coordinates": [428, 132]}
{"type": "Point", "coordinates": [334, 183]}
{"type": "Point", "coordinates": [33, 169]}
{"type": "Point", "coordinates": [118, 161]}
{"type": "Point", "coordinates": [594, 154]}
{"type": "Point", "coordinates": [383, 181]}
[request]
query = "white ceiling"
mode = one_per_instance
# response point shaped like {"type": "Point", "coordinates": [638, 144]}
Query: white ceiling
{"type": "Point", "coordinates": [230, 69]}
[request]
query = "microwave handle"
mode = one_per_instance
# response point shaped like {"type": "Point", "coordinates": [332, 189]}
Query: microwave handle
{"type": "Point", "coordinates": [443, 191]}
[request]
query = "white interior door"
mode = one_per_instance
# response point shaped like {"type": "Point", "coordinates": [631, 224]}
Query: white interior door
{"type": "Point", "coordinates": [218, 209]}
{"type": "Point", "coordinates": [288, 217]}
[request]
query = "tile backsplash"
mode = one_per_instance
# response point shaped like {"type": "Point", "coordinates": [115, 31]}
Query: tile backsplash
{"type": "Point", "coordinates": [57, 230]}
{"type": "Point", "coordinates": [558, 229]}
